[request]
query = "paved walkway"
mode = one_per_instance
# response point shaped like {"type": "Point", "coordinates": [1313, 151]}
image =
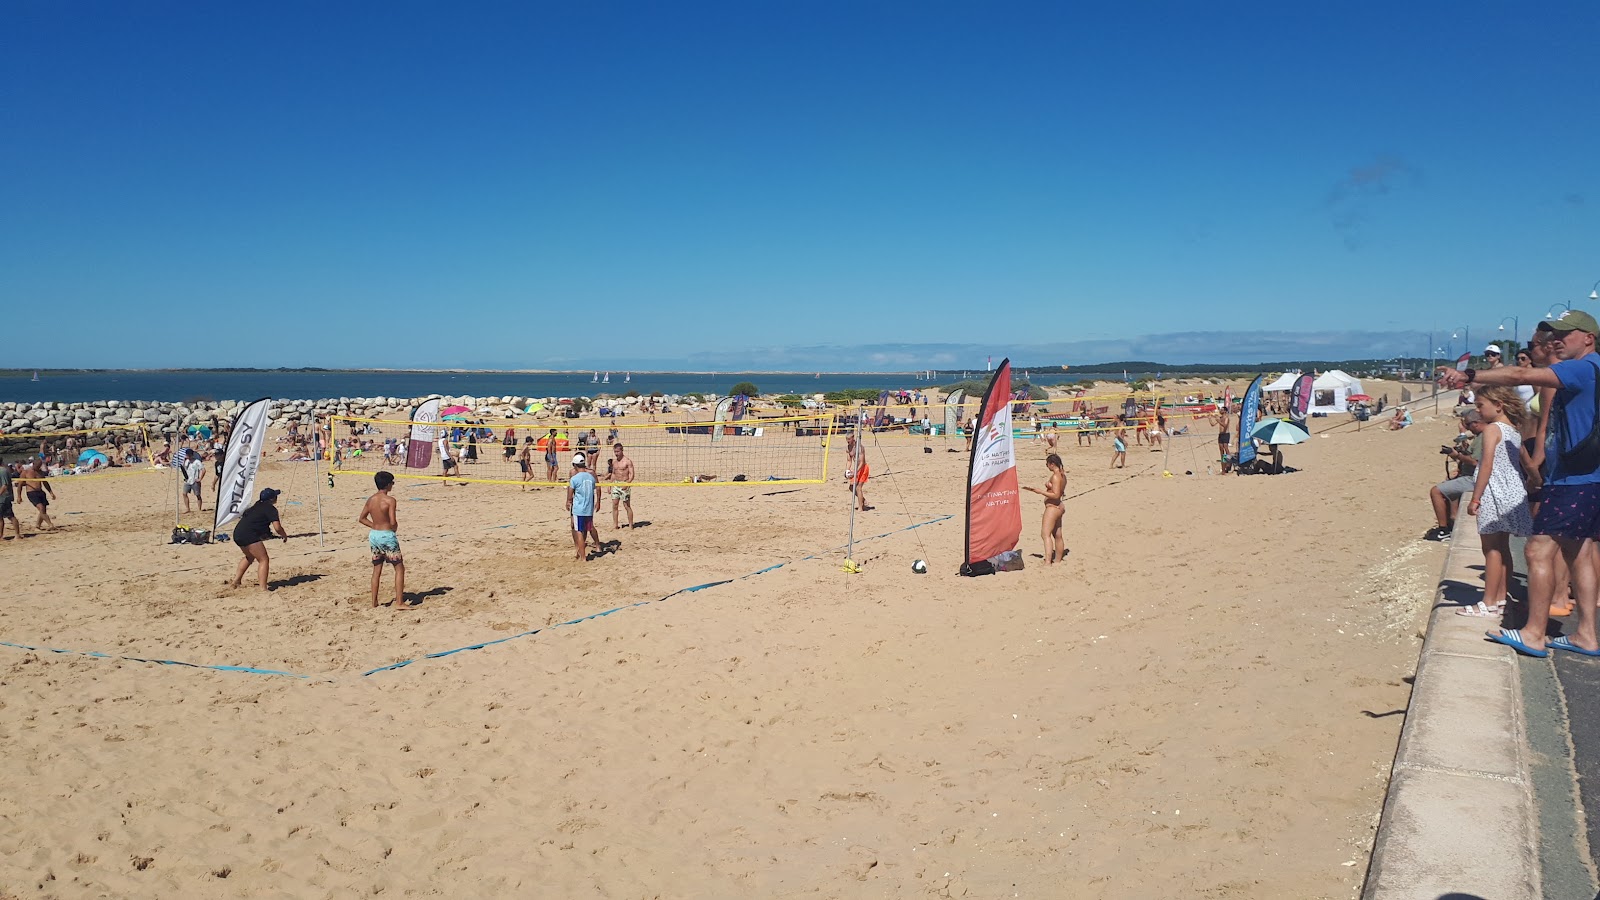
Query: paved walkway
{"type": "Point", "coordinates": [1484, 798]}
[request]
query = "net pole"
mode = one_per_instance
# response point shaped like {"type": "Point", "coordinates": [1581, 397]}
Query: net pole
{"type": "Point", "coordinates": [316, 480]}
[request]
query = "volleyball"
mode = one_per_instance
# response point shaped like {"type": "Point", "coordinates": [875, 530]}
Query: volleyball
{"type": "Point", "coordinates": [920, 567]}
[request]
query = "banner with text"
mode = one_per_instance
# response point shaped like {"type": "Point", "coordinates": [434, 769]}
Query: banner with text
{"type": "Point", "coordinates": [954, 403]}
{"type": "Point", "coordinates": [240, 460]}
{"type": "Point", "coordinates": [1249, 411]}
{"type": "Point", "coordinates": [1300, 398]}
{"type": "Point", "coordinates": [994, 508]}
{"type": "Point", "coordinates": [424, 431]}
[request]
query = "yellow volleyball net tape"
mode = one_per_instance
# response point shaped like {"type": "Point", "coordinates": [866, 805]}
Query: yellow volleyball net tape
{"type": "Point", "coordinates": [772, 449]}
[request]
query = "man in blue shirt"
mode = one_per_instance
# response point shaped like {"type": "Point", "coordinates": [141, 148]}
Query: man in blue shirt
{"type": "Point", "coordinates": [1569, 511]}
{"type": "Point", "coordinates": [583, 497]}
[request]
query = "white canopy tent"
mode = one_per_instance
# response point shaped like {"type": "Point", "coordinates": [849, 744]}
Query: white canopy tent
{"type": "Point", "coordinates": [1331, 390]}
{"type": "Point", "coordinates": [1285, 382]}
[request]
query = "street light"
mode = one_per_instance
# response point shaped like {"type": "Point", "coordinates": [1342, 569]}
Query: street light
{"type": "Point", "coordinates": [1594, 292]}
{"type": "Point", "coordinates": [1516, 330]}
{"type": "Point", "coordinates": [1466, 336]}
{"type": "Point", "coordinates": [1565, 306]}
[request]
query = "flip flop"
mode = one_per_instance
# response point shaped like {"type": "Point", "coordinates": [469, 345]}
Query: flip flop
{"type": "Point", "coordinates": [1481, 611]}
{"type": "Point", "coordinates": [1512, 638]}
{"type": "Point", "coordinates": [1563, 643]}
{"type": "Point", "coordinates": [1561, 611]}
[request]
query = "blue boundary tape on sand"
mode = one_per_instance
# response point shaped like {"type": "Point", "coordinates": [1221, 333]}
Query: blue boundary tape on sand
{"type": "Point", "coordinates": [253, 670]}
{"type": "Point", "coordinates": [688, 590]}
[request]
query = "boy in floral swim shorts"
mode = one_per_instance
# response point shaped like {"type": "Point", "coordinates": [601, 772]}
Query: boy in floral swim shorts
{"type": "Point", "coordinates": [381, 514]}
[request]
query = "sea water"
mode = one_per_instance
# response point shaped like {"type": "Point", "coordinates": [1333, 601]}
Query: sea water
{"type": "Point", "coordinates": [175, 386]}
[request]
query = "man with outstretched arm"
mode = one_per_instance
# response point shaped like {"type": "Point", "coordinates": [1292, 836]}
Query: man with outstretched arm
{"type": "Point", "coordinates": [1569, 515]}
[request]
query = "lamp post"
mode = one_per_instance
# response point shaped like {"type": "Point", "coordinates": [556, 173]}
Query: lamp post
{"type": "Point", "coordinates": [1465, 334]}
{"type": "Point", "coordinates": [1516, 330]}
{"type": "Point", "coordinates": [1594, 292]}
{"type": "Point", "coordinates": [1436, 383]}
{"type": "Point", "coordinates": [1565, 306]}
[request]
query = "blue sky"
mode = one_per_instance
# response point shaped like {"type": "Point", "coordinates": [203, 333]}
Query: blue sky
{"type": "Point", "coordinates": [788, 185]}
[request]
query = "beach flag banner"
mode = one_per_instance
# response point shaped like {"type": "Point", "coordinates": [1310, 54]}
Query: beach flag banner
{"type": "Point", "coordinates": [240, 460]}
{"type": "Point", "coordinates": [1463, 361]}
{"type": "Point", "coordinates": [724, 412]}
{"type": "Point", "coordinates": [1300, 398]}
{"type": "Point", "coordinates": [953, 403]}
{"type": "Point", "coordinates": [881, 417]}
{"type": "Point", "coordinates": [1248, 411]}
{"type": "Point", "coordinates": [994, 508]}
{"type": "Point", "coordinates": [424, 431]}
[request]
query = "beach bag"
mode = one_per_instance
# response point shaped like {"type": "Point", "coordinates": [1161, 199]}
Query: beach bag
{"type": "Point", "coordinates": [983, 567]}
{"type": "Point", "coordinates": [1583, 457]}
{"type": "Point", "coordinates": [180, 535]}
{"type": "Point", "coordinates": [199, 536]}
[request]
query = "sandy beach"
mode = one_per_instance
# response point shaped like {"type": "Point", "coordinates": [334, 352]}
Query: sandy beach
{"type": "Point", "coordinates": [1203, 700]}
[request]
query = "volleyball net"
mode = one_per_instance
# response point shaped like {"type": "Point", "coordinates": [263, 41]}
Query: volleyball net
{"type": "Point", "coordinates": [107, 450]}
{"type": "Point", "coordinates": [1089, 412]}
{"type": "Point", "coordinates": [790, 449]}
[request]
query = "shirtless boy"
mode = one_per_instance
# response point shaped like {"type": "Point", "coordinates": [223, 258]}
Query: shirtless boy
{"type": "Point", "coordinates": [551, 470]}
{"type": "Point", "coordinates": [1055, 548]}
{"type": "Point", "coordinates": [381, 515]}
{"type": "Point", "coordinates": [621, 494]}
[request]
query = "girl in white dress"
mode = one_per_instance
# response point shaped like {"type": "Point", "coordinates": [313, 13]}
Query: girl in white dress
{"type": "Point", "coordinates": [1499, 498]}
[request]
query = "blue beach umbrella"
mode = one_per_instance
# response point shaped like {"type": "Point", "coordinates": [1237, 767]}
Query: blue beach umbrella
{"type": "Point", "coordinates": [1279, 431]}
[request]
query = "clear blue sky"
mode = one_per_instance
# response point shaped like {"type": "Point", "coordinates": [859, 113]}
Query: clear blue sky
{"type": "Point", "coordinates": [785, 184]}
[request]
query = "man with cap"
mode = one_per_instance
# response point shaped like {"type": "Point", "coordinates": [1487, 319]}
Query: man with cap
{"type": "Point", "coordinates": [583, 498]}
{"type": "Point", "coordinates": [1569, 514]}
{"type": "Point", "coordinates": [256, 524]}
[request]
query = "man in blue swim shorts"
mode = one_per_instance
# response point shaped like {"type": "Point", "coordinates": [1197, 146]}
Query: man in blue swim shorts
{"type": "Point", "coordinates": [381, 514]}
{"type": "Point", "coordinates": [1569, 514]}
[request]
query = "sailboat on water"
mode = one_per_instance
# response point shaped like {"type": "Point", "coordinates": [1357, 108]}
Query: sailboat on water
{"type": "Point", "coordinates": [596, 378]}
{"type": "Point", "coordinates": [627, 377]}
{"type": "Point", "coordinates": [36, 375]}
{"type": "Point", "coordinates": [607, 379]}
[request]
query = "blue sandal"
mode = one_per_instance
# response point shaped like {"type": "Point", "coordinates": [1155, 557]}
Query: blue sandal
{"type": "Point", "coordinates": [1512, 638]}
{"type": "Point", "coordinates": [1565, 643]}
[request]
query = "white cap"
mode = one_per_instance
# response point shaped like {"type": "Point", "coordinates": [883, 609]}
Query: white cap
{"type": "Point", "coordinates": [578, 459]}
{"type": "Point", "coordinates": [1493, 348]}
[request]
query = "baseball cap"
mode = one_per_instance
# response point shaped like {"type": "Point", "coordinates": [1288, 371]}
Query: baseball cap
{"type": "Point", "coordinates": [1571, 320]}
{"type": "Point", "coordinates": [1493, 348]}
{"type": "Point", "coordinates": [578, 459]}
{"type": "Point", "coordinates": [270, 493]}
